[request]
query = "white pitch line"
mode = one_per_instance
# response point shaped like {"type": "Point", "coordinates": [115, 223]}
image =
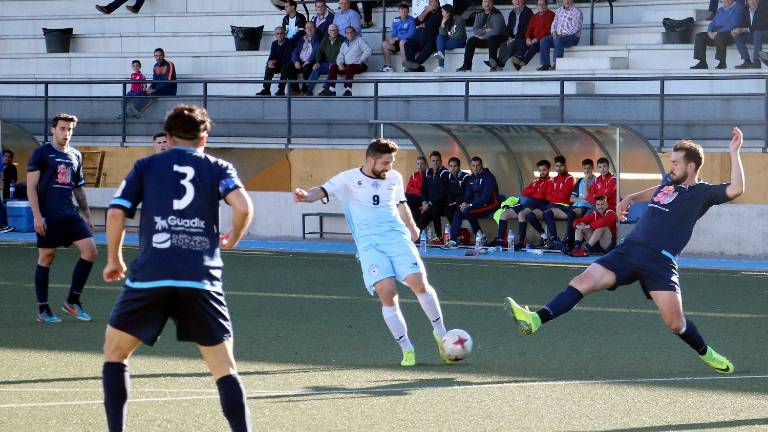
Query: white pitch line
{"type": "Point", "coordinates": [412, 389]}
{"type": "Point", "coordinates": [444, 302]}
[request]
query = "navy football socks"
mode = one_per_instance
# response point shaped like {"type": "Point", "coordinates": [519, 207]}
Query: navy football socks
{"type": "Point", "coordinates": [79, 277]}
{"type": "Point", "coordinates": [549, 219]}
{"type": "Point", "coordinates": [41, 285]}
{"type": "Point", "coordinates": [693, 338]}
{"type": "Point", "coordinates": [116, 382]}
{"type": "Point", "coordinates": [534, 221]}
{"type": "Point", "coordinates": [562, 303]}
{"type": "Point", "coordinates": [522, 229]}
{"type": "Point", "coordinates": [233, 403]}
{"type": "Point", "coordinates": [502, 229]}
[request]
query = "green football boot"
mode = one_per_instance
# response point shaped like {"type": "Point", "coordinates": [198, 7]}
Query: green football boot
{"type": "Point", "coordinates": [717, 361]}
{"type": "Point", "coordinates": [441, 349]}
{"type": "Point", "coordinates": [528, 321]}
{"type": "Point", "coordinates": [409, 358]}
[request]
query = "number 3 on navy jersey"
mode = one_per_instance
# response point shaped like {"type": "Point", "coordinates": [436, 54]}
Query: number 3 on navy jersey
{"type": "Point", "coordinates": [189, 190]}
{"type": "Point", "coordinates": [376, 200]}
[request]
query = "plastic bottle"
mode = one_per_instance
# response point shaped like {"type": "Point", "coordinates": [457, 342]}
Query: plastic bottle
{"type": "Point", "coordinates": [510, 241]}
{"type": "Point", "coordinates": [446, 234]}
{"type": "Point", "coordinates": [423, 242]}
{"type": "Point", "coordinates": [479, 240]}
{"type": "Point", "coordinates": [12, 192]}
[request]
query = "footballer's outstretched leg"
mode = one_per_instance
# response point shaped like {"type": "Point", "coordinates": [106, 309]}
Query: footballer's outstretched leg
{"type": "Point", "coordinates": [393, 318]}
{"type": "Point", "coordinates": [431, 306]}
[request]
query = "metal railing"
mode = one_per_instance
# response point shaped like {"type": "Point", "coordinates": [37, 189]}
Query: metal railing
{"type": "Point", "coordinates": [377, 98]}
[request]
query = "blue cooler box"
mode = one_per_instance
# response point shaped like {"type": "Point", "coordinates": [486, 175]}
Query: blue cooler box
{"type": "Point", "coordinates": [20, 216]}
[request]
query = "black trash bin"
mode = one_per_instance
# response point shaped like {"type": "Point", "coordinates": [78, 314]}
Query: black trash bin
{"type": "Point", "coordinates": [247, 38]}
{"type": "Point", "coordinates": [57, 40]}
{"type": "Point", "coordinates": [677, 31]}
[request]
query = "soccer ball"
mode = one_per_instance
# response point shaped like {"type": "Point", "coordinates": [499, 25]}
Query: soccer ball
{"type": "Point", "coordinates": [457, 344]}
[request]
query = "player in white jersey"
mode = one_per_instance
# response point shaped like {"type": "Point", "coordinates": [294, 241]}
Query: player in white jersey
{"type": "Point", "coordinates": [375, 208]}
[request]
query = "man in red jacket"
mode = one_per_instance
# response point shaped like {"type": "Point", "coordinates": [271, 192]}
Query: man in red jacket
{"type": "Point", "coordinates": [599, 227]}
{"type": "Point", "coordinates": [559, 197]}
{"type": "Point", "coordinates": [605, 184]}
{"type": "Point", "coordinates": [413, 189]}
{"type": "Point", "coordinates": [539, 28]}
{"type": "Point", "coordinates": [536, 194]}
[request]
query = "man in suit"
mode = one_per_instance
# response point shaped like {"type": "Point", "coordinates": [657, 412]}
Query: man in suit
{"type": "Point", "coordinates": [753, 30]}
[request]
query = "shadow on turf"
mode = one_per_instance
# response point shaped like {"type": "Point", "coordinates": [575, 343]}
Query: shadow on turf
{"type": "Point", "coordinates": [172, 375]}
{"type": "Point", "coordinates": [695, 426]}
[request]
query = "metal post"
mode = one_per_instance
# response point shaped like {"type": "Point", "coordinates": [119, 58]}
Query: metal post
{"type": "Point", "coordinates": [205, 94]}
{"type": "Point", "coordinates": [376, 109]}
{"type": "Point", "coordinates": [662, 98]}
{"type": "Point", "coordinates": [618, 173]}
{"type": "Point", "coordinates": [562, 101]}
{"type": "Point", "coordinates": [765, 120]}
{"type": "Point", "coordinates": [288, 113]}
{"type": "Point", "coordinates": [383, 20]}
{"type": "Point", "coordinates": [466, 100]}
{"type": "Point", "coordinates": [592, 23]}
{"type": "Point", "coordinates": [45, 113]}
{"type": "Point", "coordinates": [125, 114]}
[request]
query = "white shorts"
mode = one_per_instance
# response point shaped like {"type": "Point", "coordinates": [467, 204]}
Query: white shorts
{"type": "Point", "coordinates": [383, 260]}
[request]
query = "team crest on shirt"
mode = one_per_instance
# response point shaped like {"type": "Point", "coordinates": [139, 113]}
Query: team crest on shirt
{"type": "Point", "coordinates": [375, 185]}
{"type": "Point", "coordinates": [373, 270]}
{"type": "Point", "coordinates": [666, 195]}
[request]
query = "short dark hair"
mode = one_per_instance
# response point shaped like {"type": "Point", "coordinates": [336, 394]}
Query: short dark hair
{"type": "Point", "coordinates": [692, 152]}
{"type": "Point", "coordinates": [601, 198]}
{"type": "Point", "coordinates": [69, 118]}
{"type": "Point", "coordinates": [454, 159]}
{"type": "Point", "coordinates": [292, 3]}
{"type": "Point", "coordinates": [320, 1]}
{"type": "Point", "coordinates": [136, 62]}
{"type": "Point", "coordinates": [187, 122]}
{"type": "Point", "coordinates": [160, 50]}
{"type": "Point", "coordinates": [587, 162]}
{"type": "Point", "coordinates": [448, 8]}
{"type": "Point", "coordinates": [10, 152]}
{"type": "Point", "coordinates": [477, 159]}
{"type": "Point", "coordinates": [436, 153]}
{"type": "Point", "coordinates": [158, 135]}
{"type": "Point", "coordinates": [603, 160]}
{"type": "Point", "coordinates": [379, 147]}
{"type": "Point", "coordinates": [544, 162]}
{"type": "Point", "coordinates": [560, 159]}
{"type": "Point", "coordinates": [404, 6]}
{"type": "Point", "coordinates": [421, 158]}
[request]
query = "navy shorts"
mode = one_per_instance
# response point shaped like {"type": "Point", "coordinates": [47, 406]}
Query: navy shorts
{"type": "Point", "coordinates": [631, 261]}
{"type": "Point", "coordinates": [63, 232]}
{"type": "Point", "coordinates": [563, 207]}
{"type": "Point", "coordinates": [535, 204]}
{"type": "Point", "coordinates": [201, 316]}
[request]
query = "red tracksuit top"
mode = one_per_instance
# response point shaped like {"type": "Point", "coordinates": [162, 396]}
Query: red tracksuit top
{"type": "Point", "coordinates": [595, 220]}
{"type": "Point", "coordinates": [559, 191]}
{"type": "Point", "coordinates": [538, 188]}
{"type": "Point", "coordinates": [604, 185]}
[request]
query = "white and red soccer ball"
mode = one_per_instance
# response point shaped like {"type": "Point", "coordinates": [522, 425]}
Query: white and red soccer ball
{"type": "Point", "coordinates": [457, 344]}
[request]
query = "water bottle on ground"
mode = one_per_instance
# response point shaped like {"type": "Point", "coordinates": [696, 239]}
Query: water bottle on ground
{"type": "Point", "coordinates": [446, 234]}
{"type": "Point", "coordinates": [479, 240]}
{"type": "Point", "coordinates": [423, 242]}
{"type": "Point", "coordinates": [12, 191]}
{"type": "Point", "coordinates": [510, 241]}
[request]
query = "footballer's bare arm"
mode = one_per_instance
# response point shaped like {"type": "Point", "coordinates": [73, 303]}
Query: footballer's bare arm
{"type": "Point", "coordinates": [312, 195]}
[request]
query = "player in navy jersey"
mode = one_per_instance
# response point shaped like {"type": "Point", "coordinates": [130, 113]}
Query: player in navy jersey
{"type": "Point", "coordinates": [382, 226]}
{"type": "Point", "coordinates": [54, 175]}
{"type": "Point", "coordinates": [179, 269]}
{"type": "Point", "coordinates": [649, 253]}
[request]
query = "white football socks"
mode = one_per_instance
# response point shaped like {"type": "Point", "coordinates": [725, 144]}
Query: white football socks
{"type": "Point", "coordinates": [431, 307]}
{"type": "Point", "coordinates": [396, 324]}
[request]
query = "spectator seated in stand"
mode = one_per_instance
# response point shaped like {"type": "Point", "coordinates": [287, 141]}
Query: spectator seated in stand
{"type": "Point", "coordinates": [136, 100]}
{"type": "Point", "coordinates": [488, 32]}
{"type": "Point", "coordinates": [325, 57]}
{"type": "Point", "coordinates": [565, 32]}
{"type": "Point", "coordinates": [728, 18]}
{"type": "Point", "coordinates": [322, 19]}
{"type": "Point", "coordinates": [352, 60]}
{"type": "Point", "coordinates": [403, 29]}
{"type": "Point", "coordinates": [481, 199]}
{"type": "Point", "coordinates": [559, 198]}
{"type": "Point", "coordinates": [753, 30]}
{"type": "Point", "coordinates": [279, 56]}
{"type": "Point", "coordinates": [535, 203]}
{"type": "Point", "coordinates": [517, 26]}
{"type": "Point", "coordinates": [293, 23]}
{"type": "Point", "coordinates": [539, 28]}
{"type": "Point", "coordinates": [605, 184]}
{"type": "Point", "coordinates": [452, 35]}
{"type": "Point", "coordinates": [422, 45]}
{"type": "Point", "coordinates": [346, 17]}
{"type": "Point", "coordinates": [595, 232]}
{"type": "Point", "coordinates": [434, 195]}
{"type": "Point", "coordinates": [413, 189]}
{"type": "Point", "coordinates": [302, 59]}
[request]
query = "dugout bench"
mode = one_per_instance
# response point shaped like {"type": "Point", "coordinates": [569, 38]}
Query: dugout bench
{"type": "Point", "coordinates": [320, 216]}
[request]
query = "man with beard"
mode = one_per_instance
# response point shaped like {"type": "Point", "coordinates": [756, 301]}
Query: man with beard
{"type": "Point", "coordinates": [649, 253]}
{"type": "Point", "coordinates": [384, 231]}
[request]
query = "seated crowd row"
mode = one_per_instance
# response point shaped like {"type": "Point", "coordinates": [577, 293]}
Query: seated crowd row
{"type": "Point", "coordinates": [316, 47]}
{"type": "Point", "coordinates": [587, 204]}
